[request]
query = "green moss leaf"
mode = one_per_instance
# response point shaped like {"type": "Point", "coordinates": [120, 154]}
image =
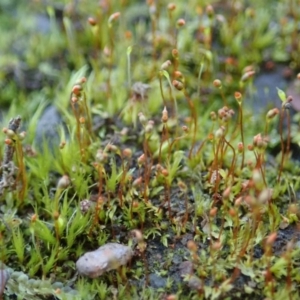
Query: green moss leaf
{"type": "Point", "coordinates": [281, 94]}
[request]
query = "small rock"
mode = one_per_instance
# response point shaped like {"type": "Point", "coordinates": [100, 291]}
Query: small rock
{"type": "Point", "coordinates": [4, 276]}
{"type": "Point", "coordinates": [186, 237]}
{"type": "Point", "coordinates": [157, 281]}
{"type": "Point", "coordinates": [186, 268]}
{"type": "Point", "coordinates": [177, 259]}
{"type": "Point", "coordinates": [194, 283]}
{"type": "Point", "coordinates": [48, 128]}
{"type": "Point", "coordinates": [108, 257]}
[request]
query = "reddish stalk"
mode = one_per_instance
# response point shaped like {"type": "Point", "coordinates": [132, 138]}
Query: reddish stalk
{"type": "Point", "coordinates": [147, 170]}
{"type": "Point", "coordinates": [201, 146]}
{"type": "Point", "coordinates": [288, 257]}
{"type": "Point", "coordinates": [285, 107]}
{"type": "Point", "coordinates": [99, 200]}
{"type": "Point", "coordinates": [231, 171]}
{"type": "Point", "coordinates": [269, 280]}
{"type": "Point", "coordinates": [164, 137]}
{"type": "Point", "coordinates": [242, 135]}
{"type": "Point", "coordinates": [167, 196]}
{"type": "Point", "coordinates": [259, 165]}
{"type": "Point", "coordinates": [173, 143]}
{"type": "Point", "coordinates": [215, 168]}
{"type": "Point", "coordinates": [236, 227]}
{"type": "Point", "coordinates": [238, 98]}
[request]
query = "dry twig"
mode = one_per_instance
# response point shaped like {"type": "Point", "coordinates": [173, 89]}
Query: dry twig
{"type": "Point", "coordinates": [8, 167]}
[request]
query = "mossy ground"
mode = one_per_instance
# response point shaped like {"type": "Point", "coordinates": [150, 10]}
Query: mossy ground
{"type": "Point", "coordinates": [173, 119]}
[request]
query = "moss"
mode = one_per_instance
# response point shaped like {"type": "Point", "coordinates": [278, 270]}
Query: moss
{"type": "Point", "coordinates": [144, 118]}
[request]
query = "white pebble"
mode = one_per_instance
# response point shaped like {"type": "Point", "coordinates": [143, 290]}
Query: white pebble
{"type": "Point", "coordinates": [108, 257]}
